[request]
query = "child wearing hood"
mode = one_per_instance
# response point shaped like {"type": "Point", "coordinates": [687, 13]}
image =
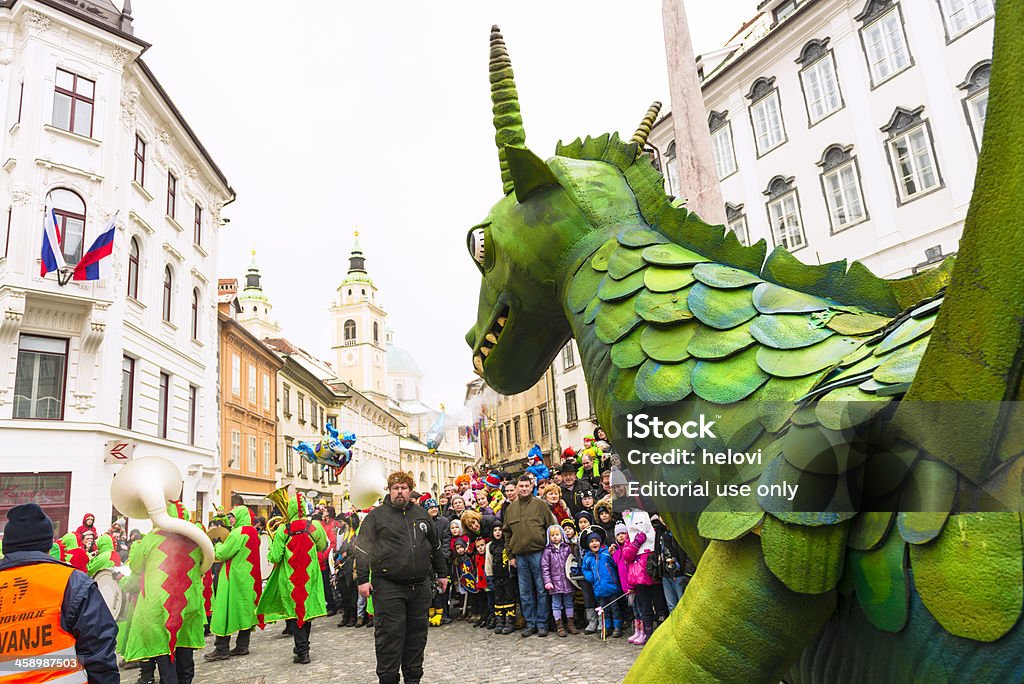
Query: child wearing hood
{"type": "Point", "coordinates": [105, 557]}
{"type": "Point", "coordinates": [88, 525]}
{"type": "Point", "coordinates": [552, 566]}
{"type": "Point", "coordinates": [599, 569]}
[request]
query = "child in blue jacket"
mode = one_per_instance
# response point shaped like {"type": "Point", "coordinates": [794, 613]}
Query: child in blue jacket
{"type": "Point", "coordinates": [599, 569]}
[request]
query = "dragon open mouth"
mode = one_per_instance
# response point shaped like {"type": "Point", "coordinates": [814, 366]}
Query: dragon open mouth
{"type": "Point", "coordinates": [490, 339]}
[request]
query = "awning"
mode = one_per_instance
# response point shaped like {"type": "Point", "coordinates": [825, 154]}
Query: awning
{"type": "Point", "coordinates": [253, 499]}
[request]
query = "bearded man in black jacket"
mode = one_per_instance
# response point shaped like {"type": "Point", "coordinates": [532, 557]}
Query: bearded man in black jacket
{"type": "Point", "coordinates": [398, 543]}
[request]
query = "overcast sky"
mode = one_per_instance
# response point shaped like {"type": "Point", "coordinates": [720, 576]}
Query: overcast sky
{"type": "Point", "coordinates": [329, 117]}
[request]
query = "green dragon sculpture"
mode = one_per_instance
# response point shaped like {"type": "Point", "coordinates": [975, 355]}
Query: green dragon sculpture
{"type": "Point", "coordinates": [900, 558]}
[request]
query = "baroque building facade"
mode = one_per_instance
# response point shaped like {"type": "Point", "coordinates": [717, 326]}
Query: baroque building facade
{"type": "Point", "coordinates": [94, 371]}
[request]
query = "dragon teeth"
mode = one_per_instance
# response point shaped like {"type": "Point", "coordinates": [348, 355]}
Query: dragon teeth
{"type": "Point", "coordinates": [491, 337]}
{"type": "Point", "coordinates": [478, 363]}
{"type": "Point", "coordinates": [485, 350]}
{"type": "Point", "coordinates": [501, 321]}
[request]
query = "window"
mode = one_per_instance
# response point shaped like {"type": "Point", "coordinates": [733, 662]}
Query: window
{"type": "Point", "coordinates": [266, 392]}
{"type": "Point", "coordinates": [72, 103]}
{"type": "Point", "coordinates": [910, 153]}
{"type": "Point", "coordinates": [286, 401]}
{"type": "Point", "coordinates": [289, 467]}
{"type": "Point", "coordinates": [961, 15]}
{"type": "Point", "coordinates": [783, 11]}
{"type": "Point", "coordinates": [251, 378]}
{"type": "Point", "coordinates": [376, 333]}
{"type": "Point", "coordinates": [172, 191]}
{"type": "Point", "coordinates": [570, 406]}
{"type": "Point", "coordinates": [501, 439]}
{"type": "Point", "coordinates": [127, 390]}
{"type": "Point", "coordinates": [133, 269]}
{"type": "Point", "coordinates": [519, 434]}
{"type": "Point", "coordinates": [736, 221]}
{"type": "Point", "coordinates": [976, 102]}
{"type": "Point", "coordinates": [322, 416]}
{"type": "Point", "coordinates": [721, 143]}
{"type": "Point", "coordinates": [197, 234]}
{"type": "Point", "coordinates": [819, 82]}
{"type": "Point", "coordinates": [841, 181]}
{"type": "Point", "coordinates": [251, 461]}
{"type": "Point", "coordinates": [193, 407]}
{"type": "Point", "coordinates": [266, 457]}
{"type": "Point", "coordinates": [303, 468]}
{"type": "Point", "coordinates": [168, 290]}
{"type": "Point", "coordinates": [784, 214]}
{"type": "Point", "coordinates": [236, 448]}
{"type": "Point", "coordinates": [302, 408]}
{"type": "Point", "coordinates": [236, 375]}
{"type": "Point", "coordinates": [312, 413]}
{"type": "Point", "coordinates": [568, 358]}
{"type": "Point", "coordinates": [543, 421]}
{"type": "Point", "coordinates": [885, 46]}
{"type": "Point", "coordinates": [140, 161]}
{"type": "Point", "coordinates": [163, 405]}
{"type": "Point", "coordinates": [766, 115]}
{"type": "Point", "coordinates": [508, 434]}
{"type": "Point", "coordinates": [195, 314]}
{"type": "Point", "coordinates": [350, 330]}
{"type": "Point", "coordinates": [40, 377]}
{"type": "Point", "coordinates": [530, 432]}
{"type": "Point", "coordinates": [669, 170]}
{"type": "Point", "coordinates": [69, 213]}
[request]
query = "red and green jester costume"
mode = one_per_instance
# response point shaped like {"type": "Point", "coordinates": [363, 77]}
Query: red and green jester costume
{"type": "Point", "coordinates": [295, 589]}
{"type": "Point", "coordinates": [241, 583]}
{"type": "Point", "coordinates": [168, 613]}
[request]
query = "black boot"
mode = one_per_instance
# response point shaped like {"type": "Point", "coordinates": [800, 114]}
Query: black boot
{"type": "Point", "coordinates": [499, 624]}
{"type": "Point", "coordinates": [491, 621]}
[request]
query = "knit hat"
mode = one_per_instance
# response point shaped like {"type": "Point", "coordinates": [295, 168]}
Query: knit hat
{"type": "Point", "coordinates": [620, 528]}
{"type": "Point", "coordinates": [585, 493]}
{"type": "Point", "coordinates": [569, 452]}
{"type": "Point", "coordinates": [430, 503]}
{"type": "Point", "coordinates": [422, 501]}
{"type": "Point", "coordinates": [27, 529]}
{"type": "Point", "coordinates": [569, 522]}
{"type": "Point", "coordinates": [461, 541]}
{"type": "Point", "coordinates": [492, 480]}
{"type": "Point", "coordinates": [590, 534]}
{"type": "Point", "coordinates": [587, 515]}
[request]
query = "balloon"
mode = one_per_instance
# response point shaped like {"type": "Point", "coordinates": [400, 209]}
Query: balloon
{"type": "Point", "coordinates": [329, 452]}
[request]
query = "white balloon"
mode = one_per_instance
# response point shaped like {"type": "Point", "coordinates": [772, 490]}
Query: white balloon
{"type": "Point", "coordinates": [369, 483]}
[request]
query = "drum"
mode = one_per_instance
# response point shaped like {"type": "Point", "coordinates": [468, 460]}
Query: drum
{"type": "Point", "coordinates": [265, 565]}
{"type": "Point", "coordinates": [573, 571]}
{"type": "Point", "coordinates": [113, 595]}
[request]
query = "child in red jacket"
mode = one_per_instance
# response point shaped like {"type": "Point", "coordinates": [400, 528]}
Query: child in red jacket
{"type": "Point", "coordinates": [482, 600]}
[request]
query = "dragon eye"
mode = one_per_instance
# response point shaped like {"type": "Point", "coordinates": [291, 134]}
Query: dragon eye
{"type": "Point", "coordinates": [476, 245]}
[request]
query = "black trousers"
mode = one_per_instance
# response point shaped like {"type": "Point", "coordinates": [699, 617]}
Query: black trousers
{"type": "Point", "coordinates": [504, 596]}
{"type": "Point", "coordinates": [400, 629]}
{"type": "Point", "coordinates": [332, 605]}
{"type": "Point", "coordinates": [301, 636]}
{"type": "Point", "coordinates": [181, 671]}
{"type": "Point", "coordinates": [221, 644]}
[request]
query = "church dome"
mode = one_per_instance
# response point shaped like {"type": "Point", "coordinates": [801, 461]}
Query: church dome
{"type": "Point", "coordinates": [401, 361]}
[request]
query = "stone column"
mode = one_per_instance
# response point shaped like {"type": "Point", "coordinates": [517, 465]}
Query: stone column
{"type": "Point", "coordinates": [695, 159]}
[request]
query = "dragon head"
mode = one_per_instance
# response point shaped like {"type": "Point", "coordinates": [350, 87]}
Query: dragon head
{"type": "Point", "coordinates": [553, 215]}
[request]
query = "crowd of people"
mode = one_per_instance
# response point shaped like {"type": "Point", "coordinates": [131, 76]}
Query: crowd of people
{"type": "Point", "coordinates": [549, 550]}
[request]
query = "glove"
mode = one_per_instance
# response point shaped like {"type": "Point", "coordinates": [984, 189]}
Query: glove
{"type": "Point", "coordinates": [549, 586]}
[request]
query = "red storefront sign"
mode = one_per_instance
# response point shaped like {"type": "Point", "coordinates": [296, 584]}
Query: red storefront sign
{"type": "Point", "coordinates": [52, 491]}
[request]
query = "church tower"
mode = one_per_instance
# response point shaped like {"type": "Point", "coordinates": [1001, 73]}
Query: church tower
{"type": "Point", "coordinates": [359, 344]}
{"type": "Point", "coordinates": [256, 307]}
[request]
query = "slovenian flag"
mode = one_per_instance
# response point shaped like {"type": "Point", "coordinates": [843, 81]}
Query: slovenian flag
{"type": "Point", "coordinates": [92, 266]}
{"type": "Point", "coordinates": [52, 256]}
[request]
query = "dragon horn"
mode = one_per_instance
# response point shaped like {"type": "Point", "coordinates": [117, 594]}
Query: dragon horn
{"type": "Point", "coordinates": [508, 123]}
{"type": "Point", "coordinates": [644, 129]}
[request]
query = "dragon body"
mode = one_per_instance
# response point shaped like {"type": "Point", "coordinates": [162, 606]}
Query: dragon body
{"type": "Point", "coordinates": [890, 403]}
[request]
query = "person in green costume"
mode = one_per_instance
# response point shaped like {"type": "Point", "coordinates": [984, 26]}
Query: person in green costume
{"type": "Point", "coordinates": [105, 557]}
{"type": "Point", "coordinates": [295, 590]}
{"type": "Point", "coordinates": [74, 555]}
{"type": "Point", "coordinates": [239, 588]}
{"type": "Point", "coordinates": [166, 624]}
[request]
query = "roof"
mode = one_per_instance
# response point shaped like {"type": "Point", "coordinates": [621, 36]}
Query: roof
{"type": "Point", "coordinates": [401, 361]}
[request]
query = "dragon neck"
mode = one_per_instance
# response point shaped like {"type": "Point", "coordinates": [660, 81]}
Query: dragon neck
{"type": "Point", "coordinates": [595, 357]}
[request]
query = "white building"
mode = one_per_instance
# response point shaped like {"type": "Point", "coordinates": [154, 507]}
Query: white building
{"type": "Point", "coordinates": [130, 359]}
{"type": "Point", "coordinates": [574, 414]}
{"type": "Point", "coordinates": [849, 129]}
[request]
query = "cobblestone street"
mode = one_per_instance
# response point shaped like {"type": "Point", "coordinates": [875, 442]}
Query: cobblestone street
{"type": "Point", "coordinates": [456, 654]}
